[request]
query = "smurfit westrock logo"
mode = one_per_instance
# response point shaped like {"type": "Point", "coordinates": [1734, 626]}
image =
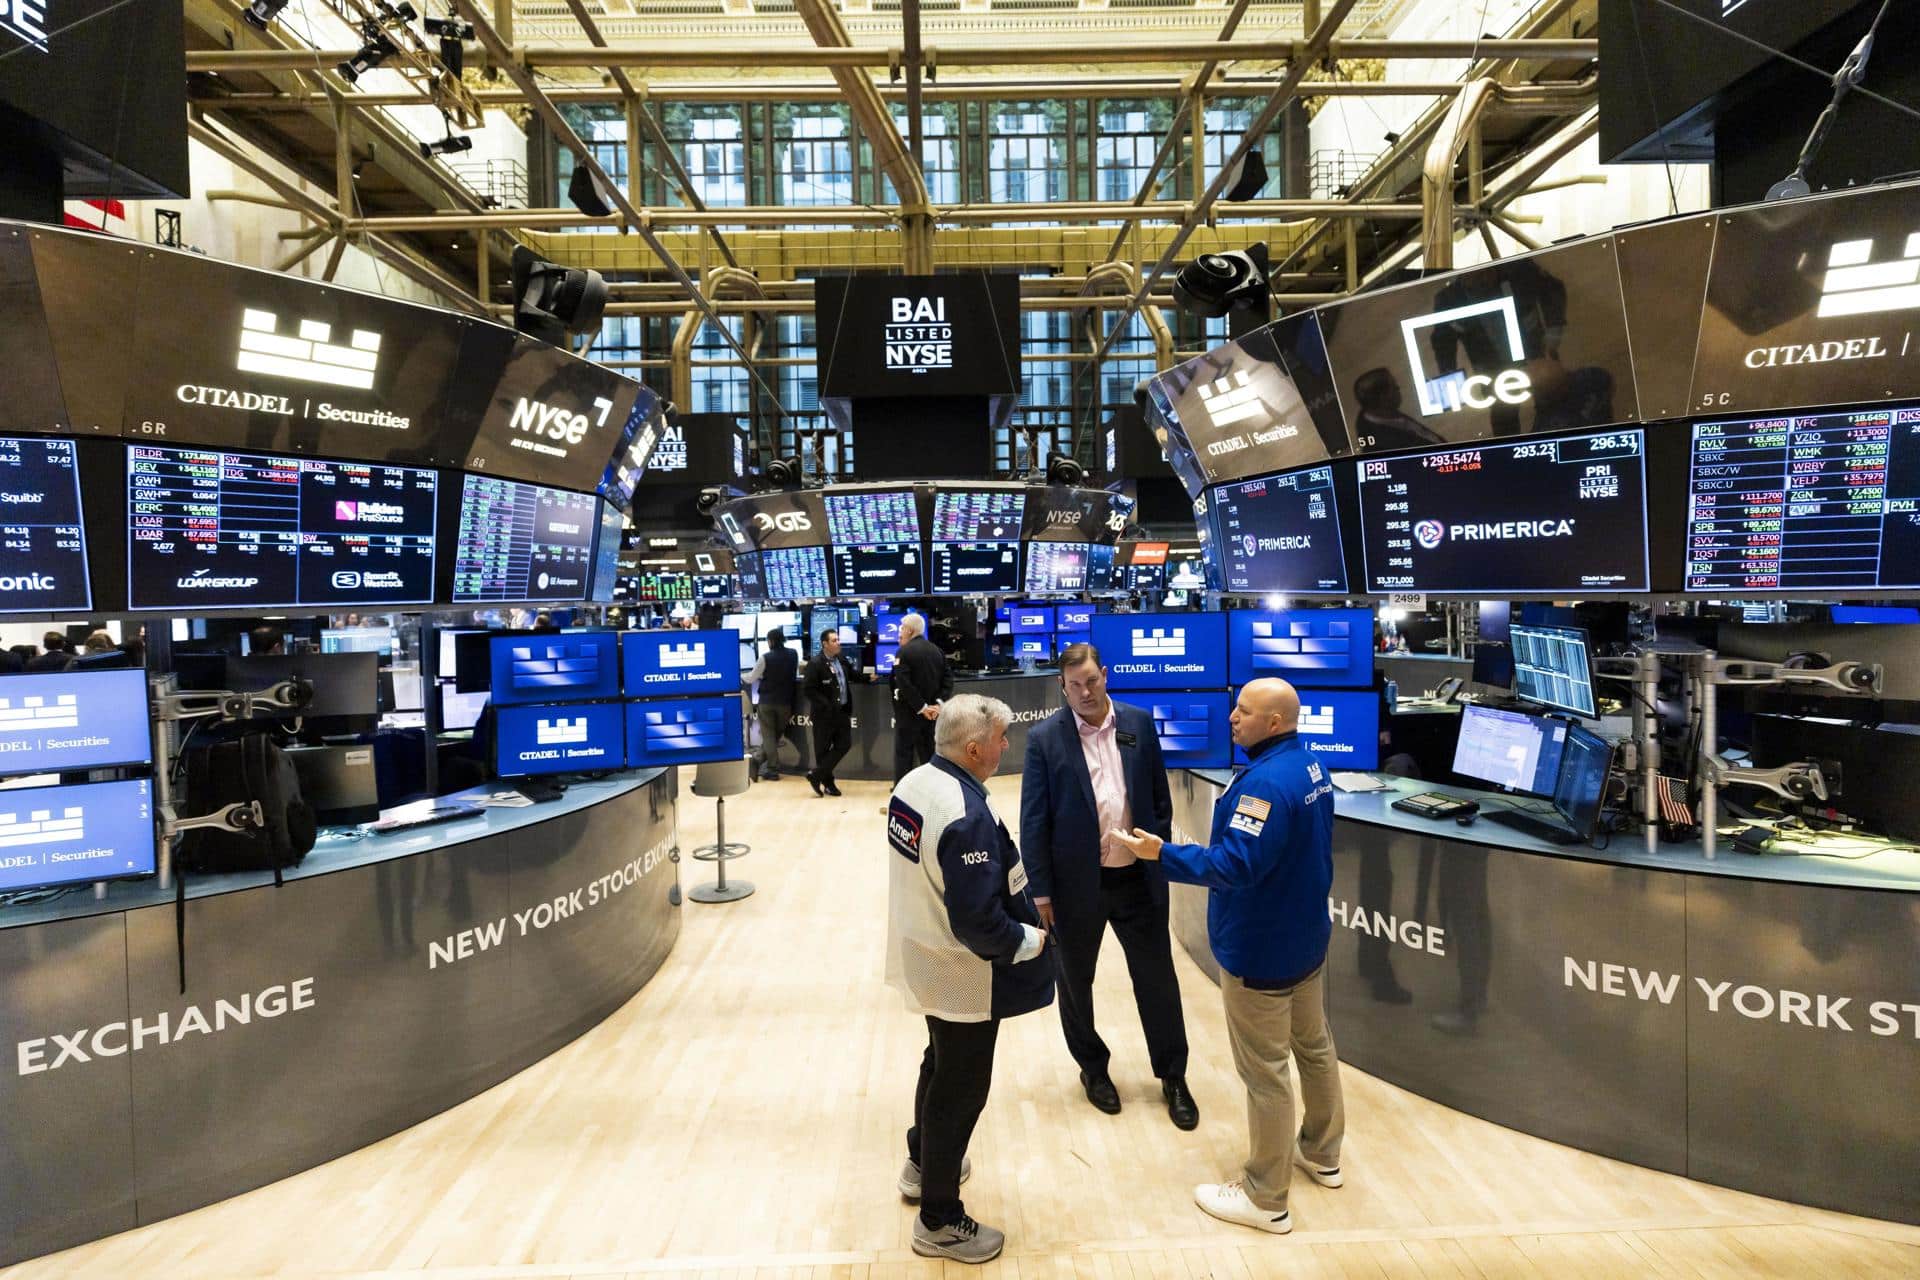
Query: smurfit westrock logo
{"type": "Point", "coordinates": [1230, 400]}
{"type": "Point", "coordinates": [1316, 720]}
{"type": "Point", "coordinates": [683, 657]}
{"type": "Point", "coordinates": [26, 19]}
{"type": "Point", "coordinates": [1856, 286]}
{"type": "Point", "coordinates": [312, 356]}
{"type": "Point", "coordinates": [27, 715]}
{"type": "Point", "coordinates": [1429, 533]}
{"type": "Point", "coordinates": [558, 733]}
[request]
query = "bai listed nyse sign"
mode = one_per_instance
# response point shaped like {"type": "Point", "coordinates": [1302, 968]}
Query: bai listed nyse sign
{"type": "Point", "coordinates": [917, 335]}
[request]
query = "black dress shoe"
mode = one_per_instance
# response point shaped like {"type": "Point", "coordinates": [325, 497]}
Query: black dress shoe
{"type": "Point", "coordinates": [832, 790]}
{"type": "Point", "coordinates": [1101, 1093]}
{"type": "Point", "coordinates": [813, 780]}
{"type": "Point", "coordinates": [1181, 1107]}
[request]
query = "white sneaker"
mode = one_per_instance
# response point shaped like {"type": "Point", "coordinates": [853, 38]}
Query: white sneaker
{"type": "Point", "coordinates": [1325, 1175]}
{"type": "Point", "coordinates": [909, 1182]}
{"type": "Point", "coordinates": [1228, 1202]}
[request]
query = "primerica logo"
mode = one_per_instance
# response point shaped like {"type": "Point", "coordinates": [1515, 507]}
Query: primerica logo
{"type": "Point", "coordinates": [1429, 533]}
{"type": "Point", "coordinates": [1455, 390]}
{"type": "Point", "coordinates": [917, 336]}
{"type": "Point", "coordinates": [1290, 542]}
{"type": "Point", "coordinates": [203, 579]}
{"type": "Point", "coordinates": [310, 356]}
{"type": "Point", "coordinates": [784, 522]}
{"type": "Point", "coordinates": [26, 19]}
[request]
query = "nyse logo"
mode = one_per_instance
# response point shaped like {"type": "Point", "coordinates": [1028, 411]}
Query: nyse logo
{"type": "Point", "coordinates": [26, 19]}
{"type": "Point", "coordinates": [1855, 285]}
{"type": "Point", "coordinates": [784, 522]}
{"type": "Point", "coordinates": [1160, 643]}
{"type": "Point", "coordinates": [311, 356]}
{"type": "Point", "coordinates": [1231, 400]}
{"type": "Point", "coordinates": [560, 732]}
{"type": "Point", "coordinates": [917, 336]}
{"type": "Point", "coordinates": [1317, 721]}
{"type": "Point", "coordinates": [680, 657]}
{"type": "Point", "coordinates": [554, 422]}
{"type": "Point", "coordinates": [671, 454]}
{"type": "Point", "coordinates": [1452, 391]}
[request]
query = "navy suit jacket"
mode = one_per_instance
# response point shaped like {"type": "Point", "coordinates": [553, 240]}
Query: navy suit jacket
{"type": "Point", "coordinates": [1059, 822]}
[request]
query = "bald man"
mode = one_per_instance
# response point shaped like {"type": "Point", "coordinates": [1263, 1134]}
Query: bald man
{"type": "Point", "coordinates": [1269, 865]}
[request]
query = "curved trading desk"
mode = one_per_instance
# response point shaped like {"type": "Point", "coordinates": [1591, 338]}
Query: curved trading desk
{"type": "Point", "coordinates": [390, 978]}
{"type": "Point", "coordinates": [1033, 696]}
{"type": "Point", "coordinates": [1748, 1021]}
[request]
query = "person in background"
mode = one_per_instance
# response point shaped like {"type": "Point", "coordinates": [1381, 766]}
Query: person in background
{"type": "Point", "coordinates": [100, 642]}
{"type": "Point", "coordinates": [265, 640]}
{"type": "Point", "coordinates": [921, 682]}
{"type": "Point", "coordinates": [1269, 866]}
{"type": "Point", "coordinates": [828, 686]}
{"type": "Point", "coordinates": [1093, 769]}
{"type": "Point", "coordinates": [962, 941]}
{"type": "Point", "coordinates": [11, 662]}
{"type": "Point", "coordinates": [56, 656]}
{"type": "Point", "coordinates": [777, 677]}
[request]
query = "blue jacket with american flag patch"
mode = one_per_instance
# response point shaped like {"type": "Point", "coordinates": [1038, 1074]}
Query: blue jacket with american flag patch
{"type": "Point", "coordinates": [1269, 865]}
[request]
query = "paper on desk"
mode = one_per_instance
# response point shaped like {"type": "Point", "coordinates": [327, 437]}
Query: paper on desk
{"type": "Point", "coordinates": [505, 800]}
{"type": "Point", "coordinates": [1353, 783]}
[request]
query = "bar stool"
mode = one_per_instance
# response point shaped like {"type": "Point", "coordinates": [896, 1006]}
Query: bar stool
{"type": "Point", "coordinates": [719, 780]}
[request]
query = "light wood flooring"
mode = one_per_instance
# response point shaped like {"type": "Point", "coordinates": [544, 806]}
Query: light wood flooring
{"type": "Point", "coordinates": [741, 1119]}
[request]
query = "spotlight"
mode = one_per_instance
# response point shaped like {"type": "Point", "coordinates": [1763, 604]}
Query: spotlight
{"type": "Point", "coordinates": [550, 301]}
{"type": "Point", "coordinates": [375, 51]}
{"type": "Point", "coordinates": [453, 35]}
{"type": "Point", "coordinates": [1392, 137]}
{"type": "Point", "coordinates": [709, 498]}
{"type": "Point", "coordinates": [586, 193]}
{"type": "Point", "coordinates": [1065, 471]}
{"type": "Point", "coordinates": [1248, 178]}
{"type": "Point", "coordinates": [1215, 283]}
{"type": "Point", "coordinates": [784, 472]}
{"type": "Point", "coordinates": [446, 146]}
{"type": "Point", "coordinates": [261, 13]}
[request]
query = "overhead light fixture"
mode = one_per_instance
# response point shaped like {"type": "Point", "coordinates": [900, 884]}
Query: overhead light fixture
{"type": "Point", "coordinates": [551, 302]}
{"type": "Point", "coordinates": [709, 498]}
{"type": "Point", "coordinates": [784, 473]}
{"type": "Point", "coordinates": [586, 193]}
{"type": "Point", "coordinates": [446, 146]}
{"type": "Point", "coordinates": [261, 13]}
{"type": "Point", "coordinates": [1249, 177]}
{"type": "Point", "coordinates": [1215, 283]}
{"type": "Point", "coordinates": [453, 35]}
{"type": "Point", "coordinates": [1065, 471]}
{"type": "Point", "coordinates": [375, 51]}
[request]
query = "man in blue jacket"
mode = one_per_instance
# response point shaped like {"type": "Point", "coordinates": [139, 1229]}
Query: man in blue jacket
{"type": "Point", "coordinates": [1269, 865]}
{"type": "Point", "coordinates": [1094, 768]}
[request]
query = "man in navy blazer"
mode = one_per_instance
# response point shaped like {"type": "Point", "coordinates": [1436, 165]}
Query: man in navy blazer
{"type": "Point", "coordinates": [1093, 768]}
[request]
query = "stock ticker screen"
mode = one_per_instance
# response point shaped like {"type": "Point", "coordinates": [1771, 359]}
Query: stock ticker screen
{"type": "Point", "coordinates": [1281, 534]}
{"type": "Point", "coordinates": [1533, 515]}
{"type": "Point", "coordinates": [876, 543]}
{"type": "Point", "coordinates": [1811, 501]}
{"type": "Point", "coordinates": [1056, 566]}
{"type": "Point", "coordinates": [43, 553]}
{"type": "Point", "coordinates": [207, 528]}
{"type": "Point", "coordinates": [521, 541]}
{"type": "Point", "coordinates": [978, 515]}
{"type": "Point", "coordinates": [795, 573]}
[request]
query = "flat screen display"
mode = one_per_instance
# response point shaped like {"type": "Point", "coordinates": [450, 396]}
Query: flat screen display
{"type": "Point", "coordinates": [1551, 666]}
{"type": "Point", "coordinates": [73, 834]}
{"type": "Point", "coordinates": [978, 515]}
{"type": "Point", "coordinates": [1031, 619]}
{"type": "Point", "coordinates": [43, 549]}
{"type": "Point", "coordinates": [606, 553]}
{"type": "Point", "coordinates": [1535, 515]}
{"type": "Point", "coordinates": [975, 568]}
{"type": "Point", "coordinates": [634, 450]}
{"type": "Point", "coordinates": [715, 586]}
{"type": "Point", "coordinates": [1581, 789]}
{"type": "Point", "coordinates": [796, 573]}
{"type": "Point", "coordinates": [1033, 648]}
{"type": "Point", "coordinates": [73, 720]}
{"type": "Point", "coordinates": [1163, 650]}
{"type": "Point", "coordinates": [1192, 727]}
{"type": "Point", "coordinates": [752, 578]}
{"type": "Point", "coordinates": [550, 417]}
{"type": "Point", "coordinates": [1056, 566]}
{"type": "Point", "coordinates": [1805, 502]}
{"type": "Point", "coordinates": [1281, 534]}
{"type": "Point", "coordinates": [521, 541]}
{"type": "Point", "coordinates": [208, 529]}
{"type": "Point", "coordinates": [1073, 617]}
{"type": "Point", "coordinates": [663, 662]}
{"type": "Point", "coordinates": [885, 656]}
{"type": "Point", "coordinates": [946, 335]}
{"type": "Point", "coordinates": [888, 627]}
{"type": "Point", "coordinates": [1510, 750]}
{"type": "Point", "coordinates": [357, 640]}
{"type": "Point", "coordinates": [1240, 412]}
{"type": "Point", "coordinates": [1100, 570]}
{"type": "Point", "coordinates": [344, 684]}
{"type": "Point", "coordinates": [560, 739]}
{"type": "Point", "coordinates": [684, 731]}
{"type": "Point", "coordinates": [878, 569]}
{"type": "Point", "coordinates": [1342, 727]}
{"type": "Point", "coordinates": [574, 666]}
{"type": "Point", "coordinates": [1308, 648]}
{"type": "Point", "coordinates": [873, 516]}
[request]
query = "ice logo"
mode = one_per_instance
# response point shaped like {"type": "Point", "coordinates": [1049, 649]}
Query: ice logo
{"type": "Point", "coordinates": [1429, 533]}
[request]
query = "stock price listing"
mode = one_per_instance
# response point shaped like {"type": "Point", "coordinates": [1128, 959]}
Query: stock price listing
{"type": "Point", "coordinates": [1534, 515]}
{"type": "Point", "coordinates": [1813, 501]}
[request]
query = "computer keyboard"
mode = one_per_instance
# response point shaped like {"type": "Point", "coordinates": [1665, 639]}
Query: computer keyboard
{"type": "Point", "coordinates": [1526, 823]}
{"type": "Point", "coordinates": [1431, 804]}
{"type": "Point", "coordinates": [408, 819]}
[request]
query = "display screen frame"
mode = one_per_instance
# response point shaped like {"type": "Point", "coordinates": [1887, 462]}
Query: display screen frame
{"type": "Point", "coordinates": [115, 794]}
{"type": "Point", "coordinates": [733, 730]}
{"type": "Point", "coordinates": [509, 729]}
{"type": "Point", "coordinates": [122, 688]}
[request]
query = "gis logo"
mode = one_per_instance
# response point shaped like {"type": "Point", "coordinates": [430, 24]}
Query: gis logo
{"type": "Point", "coordinates": [784, 522]}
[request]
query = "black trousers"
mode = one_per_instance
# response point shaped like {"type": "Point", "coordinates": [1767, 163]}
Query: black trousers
{"type": "Point", "coordinates": [832, 739]}
{"type": "Point", "coordinates": [912, 743]}
{"type": "Point", "coordinates": [956, 1072]}
{"type": "Point", "coordinates": [1126, 902]}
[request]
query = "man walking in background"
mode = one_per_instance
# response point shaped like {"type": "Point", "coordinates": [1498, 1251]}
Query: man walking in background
{"type": "Point", "coordinates": [1094, 769]}
{"type": "Point", "coordinates": [921, 682]}
{"type": "Point", "coordinates": [962, 941]}
{"type": "Point", "coordinates": [1269, 865]}
{"type": "Point", "coordinates": [777, 677]}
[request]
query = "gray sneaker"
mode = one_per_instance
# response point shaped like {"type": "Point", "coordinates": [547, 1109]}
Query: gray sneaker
{"type": "Point", "coordinates": [963, 1241]}
{"type": "Point", "coordinates": [909, 1183]}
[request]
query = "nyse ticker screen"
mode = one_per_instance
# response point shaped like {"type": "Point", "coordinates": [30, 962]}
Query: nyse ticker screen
{"type": "Point", "coordinates": [43, 554]}
{"type": "Point", "coordinates": [980, 515]}
{"type": "Point", "coordinates": [1534, 515]}
{"type": "Point", "coordinates": [1809, 501]}
{"type": "Point", "coordinates": [867, 519]}
{"type": "Point", "coordinates": [522, 542]}
{"type": "Point", "coordinates": [795, 573]}
{"type": "Point", "coordinates": [1281, 534]}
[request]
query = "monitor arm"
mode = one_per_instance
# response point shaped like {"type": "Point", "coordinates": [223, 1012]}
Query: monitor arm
{"type": "Point", "coordinates": [1801, 780]}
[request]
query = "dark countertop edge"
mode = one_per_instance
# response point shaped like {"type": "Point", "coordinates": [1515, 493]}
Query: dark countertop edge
{"type": "Point", "coordinates": [80, 903]}
{"type": "Point", "coordinates": [1682, 859]}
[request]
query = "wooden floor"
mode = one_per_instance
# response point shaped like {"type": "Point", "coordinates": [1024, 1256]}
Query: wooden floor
{"type": "Point", "coordinates": [742, 1119]}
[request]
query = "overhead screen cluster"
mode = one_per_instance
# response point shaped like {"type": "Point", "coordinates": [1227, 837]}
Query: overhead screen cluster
{"type": "Point", "coordinates": [1704, 404]}
{"type": "Point", "coordinates": [297, 445]}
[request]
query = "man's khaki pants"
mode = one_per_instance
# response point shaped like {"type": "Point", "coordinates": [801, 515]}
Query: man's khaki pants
{"type": "Point", "coordinates": [1266, 1028]}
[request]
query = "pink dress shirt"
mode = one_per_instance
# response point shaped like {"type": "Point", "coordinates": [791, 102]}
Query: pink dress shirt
{"type": "Point", "coordinates": [1102, 750]}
